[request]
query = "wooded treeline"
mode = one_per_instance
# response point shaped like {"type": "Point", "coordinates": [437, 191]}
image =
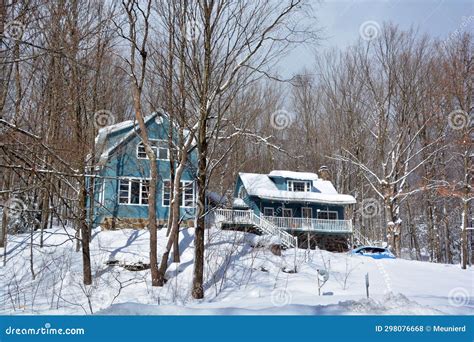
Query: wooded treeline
{"type": "Point", "coordinates": [392, 119]}
{"type": "Point", "coordinates": [390, 116]}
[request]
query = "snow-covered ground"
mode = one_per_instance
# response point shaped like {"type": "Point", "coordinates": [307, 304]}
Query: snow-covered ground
{"type": "Point", "coordinates": [242, 277]}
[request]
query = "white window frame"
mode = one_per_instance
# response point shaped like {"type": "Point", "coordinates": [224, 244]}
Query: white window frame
{"type": "Point", "coordinates": [302, 211]}
{"type": "Point", "coordinates": [155, 148]}
{"type": "Point", "coordinates": [163, 193]}
{"type": "Point", "coordinates": [183, 194]}
{"type": "Point", "coordinates": [290, 185]}
{"type": "Point", "coordinates": [269, 208]}
{"type": "Point", "coordinates": [129, 190]}
{"type": "Point", "coordinates": [328, 211]}
{"type": "Point", "coordinates": [286, 209]}
{"type": "Point", "coordinates": [101, 191]}
{"type": "Point", "coordinates": [183, 184]}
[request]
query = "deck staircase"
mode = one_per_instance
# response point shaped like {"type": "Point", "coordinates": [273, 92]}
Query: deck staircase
{"type": "Point", "coordinates": [266, 225]}
{"type": "Point", "coordinates": [361, 240]}
{"type": "Point", "coordinates": [248, 217]}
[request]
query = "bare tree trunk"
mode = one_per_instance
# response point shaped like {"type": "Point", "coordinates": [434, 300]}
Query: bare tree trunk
{"type": "Point", "coordinates": [447, 238]}
{"type": "Point", "coordinates": [464, 254]}
{"type": "Point", "coordinates": [152, 226]}
{"type": "Point", "coordinates": [32, 270]}
{"type": "Point", "coordinates": [176, 256]}
{"type": "Point", "coordinates": [44, 212]}
{"type": "Point", "coordinates": [431, 231]}
{"type": "Point", "coordinates": [84, 229]}
{"type": "Point", "coordinates": [3, 236]}
{"type": "Point", "coordinates": [174, 208]}
{"type": "Point", "coordinates": [138, 39]}
{"type": "Point", "coordinates": [198, 274]}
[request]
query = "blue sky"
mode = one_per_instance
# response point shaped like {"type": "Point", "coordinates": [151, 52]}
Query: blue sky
{"type": "Point", "coordinates": [341, 20]}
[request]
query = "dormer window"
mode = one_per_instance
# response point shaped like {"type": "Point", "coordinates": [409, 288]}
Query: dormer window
{"type": "Point", "coordinates": [299, 186]}
{"type": "Point", "coordinates": [159, 147]}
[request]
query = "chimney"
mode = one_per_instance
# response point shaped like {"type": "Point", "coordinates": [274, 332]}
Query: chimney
{"type": "Point", "coordinates": [324, 173]}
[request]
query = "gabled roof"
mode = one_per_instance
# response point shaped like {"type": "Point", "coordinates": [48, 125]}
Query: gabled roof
{"type": "Point", "coordinates": [103, 150]}
{"type": "Point", "coordinates": [262, 186]}
{"type": "Point", "coordinates": [101, 138]}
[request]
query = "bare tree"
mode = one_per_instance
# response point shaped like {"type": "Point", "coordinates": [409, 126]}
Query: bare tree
{"type": "Point", "coordinates": [138, 19]}
{"type": "Point", "coordinates": [236, 42]}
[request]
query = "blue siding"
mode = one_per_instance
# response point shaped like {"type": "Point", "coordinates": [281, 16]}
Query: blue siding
{"type": "Point", "coordinates": [297, 207]}
{"type": "Point", "coordinates": [249, 200]}
{"type": "Point", "coordinates": [238, 184]}
{"type": "Point", "coordinates": [124, 163]}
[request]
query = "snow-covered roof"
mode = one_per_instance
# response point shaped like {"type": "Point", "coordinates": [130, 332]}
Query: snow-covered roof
{"type": "Point", "coordinates": [294, 175]}
{"type": "Point", "coordinates": [324, 187]}
{"type": "Point", "coordinates": [133, 126]}
{"type": "Point", "coordinates": [104, 132]}
{"type": "Point", "coordinates": [261, 185]}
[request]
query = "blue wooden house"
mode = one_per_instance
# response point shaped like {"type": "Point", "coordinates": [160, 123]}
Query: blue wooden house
{"type": "Point", "coordinates": [123, 172]}
{"type": "Point", "coordinates": [297, 207]}
{"type": "Point", "coordinates": [300, 204]}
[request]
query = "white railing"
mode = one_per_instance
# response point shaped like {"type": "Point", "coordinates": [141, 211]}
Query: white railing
{"type": "Point", "coordinates": [232, 216]}
{"type": "Point", "coordinates": [282, 223]}
{"type": "Point", "coordinates": [268, 227]}
{"type": "Point", "coordinates": [229, 216]}
{"type": "Point", "coordinates": [307, 224]}
{"type": "Point", "coordinates": [361, 238]}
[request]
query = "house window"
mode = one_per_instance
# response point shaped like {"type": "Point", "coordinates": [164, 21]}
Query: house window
{"type": "Point", "coordinates": [187, 193]}
{"type": "Point", "coordinates": [158, 146]}
{"type": "Point", "coordinates": [287, 212]}
{"type": "Point", "coordinates": [268, 211]}
{"type": "Point", "coordinates": [327, 215]}
{"type": "Point", "coordinates": [144, 191]}
{"type": "Point", "coordinates": [133, 191]}
{"type": "Point", "coordinates": [306, 212]}
{"type": "Point", "coordinates": [166, 193]}
{"type": "Point", "coordinates": [299, 186]}
{"type": "Point", "coordinates": [101, 193]}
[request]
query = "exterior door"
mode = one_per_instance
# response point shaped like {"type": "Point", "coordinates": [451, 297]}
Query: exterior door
{"type": "Point", "coordinates": [307, 214]}
{"type": "Point", "coordinates": [288, 222]}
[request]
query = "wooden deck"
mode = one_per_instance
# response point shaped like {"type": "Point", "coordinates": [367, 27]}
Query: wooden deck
{"type": "Point", "coordinates": [229, 216]}
{"type": "Point", "coordinates": [311, 225]}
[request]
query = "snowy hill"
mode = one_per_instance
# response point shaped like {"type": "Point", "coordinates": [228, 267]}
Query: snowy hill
{"type": "Point", "coordinates": [242, 277]}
